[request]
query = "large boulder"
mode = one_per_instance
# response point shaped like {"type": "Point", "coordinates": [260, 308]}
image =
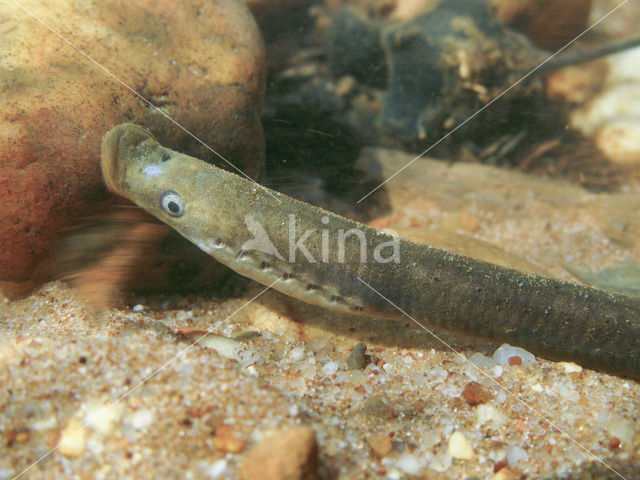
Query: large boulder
{"type": "Point", "coordinates": [201, 63]}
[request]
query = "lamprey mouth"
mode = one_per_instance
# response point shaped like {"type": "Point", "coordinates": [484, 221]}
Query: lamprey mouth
{"type": "Point", "coordinates": [113, 155]}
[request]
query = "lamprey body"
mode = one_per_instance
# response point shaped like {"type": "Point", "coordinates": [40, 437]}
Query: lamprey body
{"type": "Point", "coordinates": [327, 260]}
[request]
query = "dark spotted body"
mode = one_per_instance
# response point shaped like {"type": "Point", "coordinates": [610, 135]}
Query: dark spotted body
{"type": "Point", "coordinates": [227, 216]}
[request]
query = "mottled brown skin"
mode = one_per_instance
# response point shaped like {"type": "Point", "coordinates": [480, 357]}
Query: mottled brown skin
{"type": "Point", "coordinates": [554, 319]}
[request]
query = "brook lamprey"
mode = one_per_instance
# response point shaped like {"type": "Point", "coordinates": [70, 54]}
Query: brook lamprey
{"type": "Point", "coordinates": [327, 260]}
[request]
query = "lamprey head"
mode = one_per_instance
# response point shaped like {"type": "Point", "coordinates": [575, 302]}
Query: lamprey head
{"type": "Point", "coordinates": [183, 192]}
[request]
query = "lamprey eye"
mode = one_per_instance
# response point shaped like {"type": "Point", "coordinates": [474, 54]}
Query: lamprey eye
{"type": "Point", "coordinates": [172, 203]}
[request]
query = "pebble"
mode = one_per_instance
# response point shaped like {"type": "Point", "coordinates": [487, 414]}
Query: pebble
{"type": "Point", "coordinates": [357, 359]}
{"type": "Point", "coordinates": [287, 455]}
{"type": "Point", "coordinates": [459, 447]}
{"type": "Point", "coordinates": [380, 444]}
{"type": "Point", "coordinates": [229, 440]}
{"type": "Point", "coordinates": [569, 367]}
{"type": "Point", "coordinates": [103, 417]}
{"type": "Point", "coordinates": [217, 469]}
{"type": "Point", "coordinates": [408, 463]}
{"type": "Point", "coordinates": [16, 436]}
{"type": "Point", "coordinates": [45, 424]}
{"type": "Point", "coordinates": [475, 394]}
{"type": "Point", "coordinates": [515, 361]}
{"type": "Point", "coordinates": [431, 438]}
{"type": "Point", "coordinates": [345, 85]}
{"type": "Point", "coordinates": [515, 454]}
{"type": "Point", "coordinates": [506, 352]}
{"type": "Point", "coordinates": [330, 368]}
{"type": "Point", "coordinates": [536, 387]}
{"type": "Point", "coordinates": [247, 335]}
{"type": "Point", "coordinates": [505, 474]}
{"type": "Point", "coordinates": [73, 439]}
{"type": "Point", "coordinates": [376, 406]}
{"type": "Point", "coordinates": [296, 354]}
{"type": "Point", "coordinates": [226, 347]}
{"type": "Point", "coordinates": [489, 413]}
{"type": "Point", "coordinates": [440, 462]}
{"type": "Point", "coordinates": [141, 419]}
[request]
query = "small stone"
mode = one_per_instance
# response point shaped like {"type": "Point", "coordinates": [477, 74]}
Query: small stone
{"type": "Point", "coordinates": [45, 424]}
{"type": "Point", "coordinates": [247, 335]}
{"type": "Point", "coordinates": [73, 439]}
{"type": "Point", "coordinates": [376, 407]}
{"type": "Point", "coordinates": [408, 463]}
{"type": "Point", "coordinates": [288, 455]}
{"type": "Point", "coordinates": [357, 360]}
{"type": "Point", "coordinates": [500, 465]}
{"type": "Point", "coordinates": [330, 368]}
{"type": "Point", "coordinates": [16, 436]}
{"type": "Point", "coordinates": [614, 443]}
{"type": "Point", "coordinates": [505, 352]}
{"type": "Point", "coordinates": [570, 367]}
{"type": "Point", "coordinates": [505, 474]}
{"type": "Point", "coordinates": [103, 417]}
{"type": "Point", "coordinates": [440, 462]}
{"type": "Point", "coordinates": [488, 413]}
{"type": "Point", "coordinates": [515, 454]}
{"type": "Point", "coordinates": [297, 354]}
{"type": "Point", "coordinates": [515, 361]}
{"type": "Point", "coordinates": [475, 394]}
{"type": "Point", "coordinates": [226, 347]}
{"type": "Point", "coordinates": [431, 438]}
{"type": "Point", "coordinates": [380, 444]}
{"type": "Point", "coordinates": [141, 419]}
{"type": "Point", "coordinates": [345, 85]}
{"type": "Point", "coordinates": [229, 440]}
{"type": "Point", "coordinates": [217, 469]}
{"type": "Point", "coordinates": [459, 447]}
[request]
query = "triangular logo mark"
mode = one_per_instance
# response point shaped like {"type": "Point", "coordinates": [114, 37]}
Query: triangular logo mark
{"type": "Point", "coordinates": [260, 240]}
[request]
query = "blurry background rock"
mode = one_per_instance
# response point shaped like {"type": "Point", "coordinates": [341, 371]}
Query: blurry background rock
{"type": "Point", "coordinates": [608, 101]}
{"type": "Point", "coordinates": [450, 61]}
{"type": "Point", "coordinates": [549, 24]}
{"type": "Point", "coordinates": [405, 73]}
{"type": "Point", "coordinates": [446, 64]}
{"type": "Point", "coordinates": [202, 63]}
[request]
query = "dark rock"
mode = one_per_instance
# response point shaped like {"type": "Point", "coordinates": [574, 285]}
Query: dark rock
{"type": "Point", "coordinates": [353, 47]}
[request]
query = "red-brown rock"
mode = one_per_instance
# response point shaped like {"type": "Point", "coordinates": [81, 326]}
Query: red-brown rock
{"type": "Point", "coordinates": [550, 24]}
{"type": "Point", "coordinates": [201, 63]}
{"type": "Point", "coordinates": [475, 394]}
{"type": "Point", "coordinates": [289, 455]}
